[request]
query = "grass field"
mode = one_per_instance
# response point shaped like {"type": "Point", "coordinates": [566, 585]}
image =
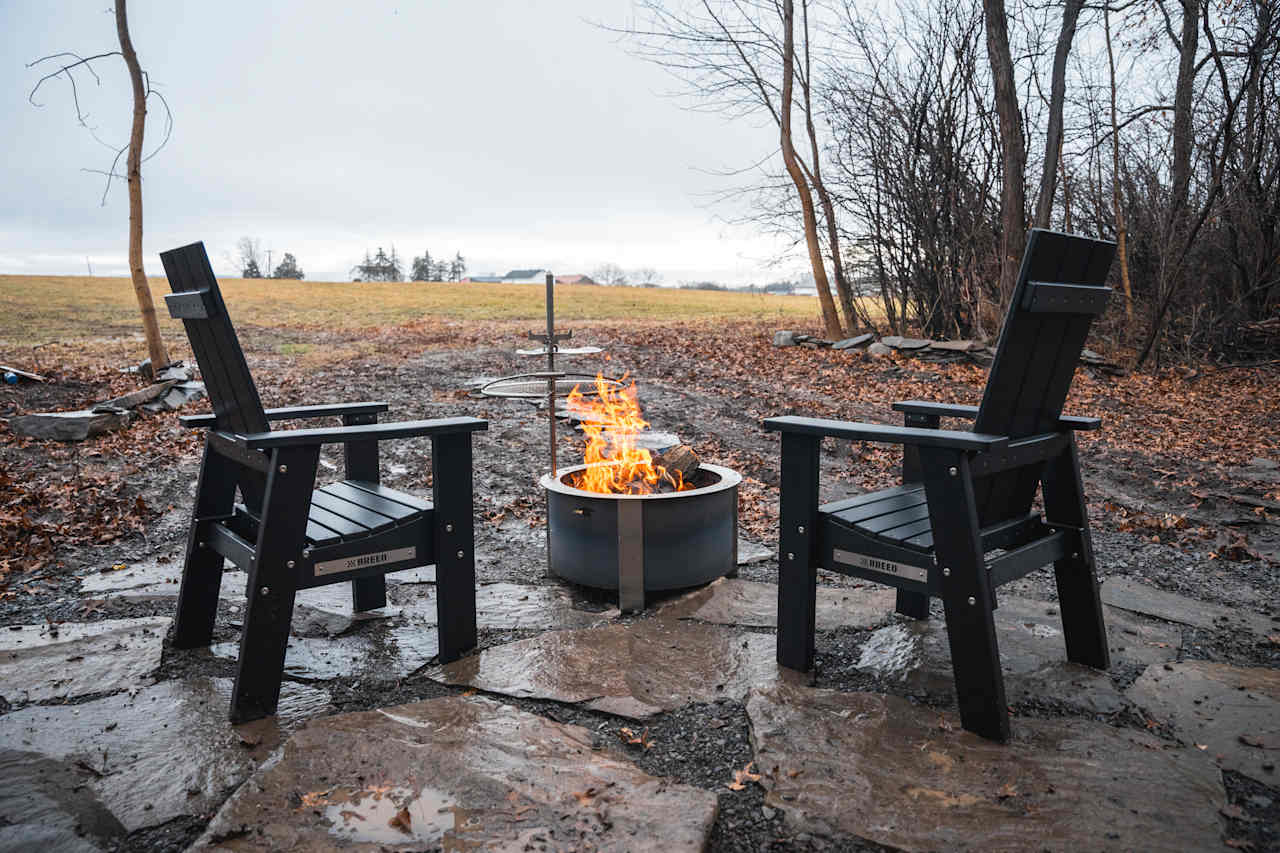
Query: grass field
{"type": "Point", "coordinates": [40, 309]}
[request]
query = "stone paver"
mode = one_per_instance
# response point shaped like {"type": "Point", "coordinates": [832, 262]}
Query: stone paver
{"type": "Point", "coordinates": [1032, 655]}
{"type": "Point", "coordinates": [459, 774]}
{"type": "Point", "coordinates": [1130, 595]}
{"type": "Point", "coordinates": [164, 751]}
{"type": "Point", "coordinates": [632, 670]}
{"type": "Point", "coordinates": [70, 659]}
{"type": "Point", "coordinates": [376, 655]}
{"type": "Point", "coordinates": [46, 804]}
{"type": "Point", "coordinates": [515, 607]}
{"type": "Point", "coordinates": [730, 601]}
{"type": "Point", "coordinates": [1233, 712]}
{"type": "Point", "coordinates": [908, 777]}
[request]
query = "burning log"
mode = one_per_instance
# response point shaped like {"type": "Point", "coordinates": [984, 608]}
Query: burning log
{"type": "Point", "coordinates": [680, 459]}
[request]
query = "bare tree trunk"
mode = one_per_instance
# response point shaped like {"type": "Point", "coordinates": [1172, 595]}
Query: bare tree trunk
{"type": "Point", "coordinates": [1057, 93]}
{"type": "Point", "coordinates": [830, 319]}
{"type": "Point", "coordinates": [843, 292]}
{"type": "Point", "coordinates": [1182, 130]}
{"type": "Point", "coordinates": [150, 328]}
{"type": "Point", "coordinates": [1013, 198]}
{"type": "Point", "coordinates": [1122, 234]}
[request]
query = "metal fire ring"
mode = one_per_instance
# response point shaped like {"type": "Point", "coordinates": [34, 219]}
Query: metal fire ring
{"type": "Point", "coordinates": [729, 479]}
{"type": "Point", "coordinates": [531, 386]}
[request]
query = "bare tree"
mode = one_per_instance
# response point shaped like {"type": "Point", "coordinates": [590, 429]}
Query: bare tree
{"type": "Point", "coordinates": [610, 274]}
{"type": "Point", "coordinates": [249, 257]}
{"type": "Point", "coordinates": [1058, 90]}
{"type": "Point", "coordinates": [140, 82]}
{"type": "Point", "coordinates": [1013, 194]}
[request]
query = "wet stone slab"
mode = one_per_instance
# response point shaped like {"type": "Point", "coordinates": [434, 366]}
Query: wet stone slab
{"type": "Point", "coordinates": [908, 777]}
{"type": "Point", "coordinates": [1032, 655]}
{"type": "Point", "coordinates": [46, 804]}
{"type": "Point", "coordinates": [737, 602]}
{"type": "Point", "coordinates": [144, 573]}
{"type": "Point", "coordinates": [379, 655]}
{"type": "Point", "coordinates": [164, 751]}
{"type": "Point", "coordinates": [1233, 712]}
{"type": "Point", "coordinates": [513, 607]}
{"type": "Point", "coordinates": [66, 660]}
{"type": "Point", "coordinates": [327, 611]}
{"type": "Point", "coordinates": [632, 670]}
{"type": "Point", "coordinates": [456, 773]}
{"type": "Point", "coordinates": [1130, 595]}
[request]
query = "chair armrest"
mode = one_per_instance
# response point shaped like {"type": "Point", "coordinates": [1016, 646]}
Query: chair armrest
{"type": "Point", "coordinates": [915, 436]}
{"type": "Point", "coordinates": [290, 412]}
{"type": "Point", "coordinates": [363, 432]}
{"type": "Point", "coordinates": [957, 410]}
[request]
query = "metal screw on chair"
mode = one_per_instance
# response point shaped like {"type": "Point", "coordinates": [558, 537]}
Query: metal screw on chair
{"type": "Point", "coordinates": [283, 469]}
{"type": "Point", "coordinates": [306, 553]}
{"type": "Point", "coordinates": [799, 528]}
{"type": "Point", "coordinates": [461, 554]}
{"type": "Point", "coordinates": [946, 573]}
{"type": "Point", "coordinates": [448, 528]}
{"type": "Point", "coordinates": [201, 545]}
{"type": "Point", "coordinates": [972, 600]}
{"type": "Point", "coordinates": [790, 556]}
{"type": "Point", "coordinates": [952, 471]}
{"type": "Point", "coordinates": [289, 565]}
{"type": "Point", "coordinates": [266, 590]}
{"type": "Point", "coordinates": [1075, 555]}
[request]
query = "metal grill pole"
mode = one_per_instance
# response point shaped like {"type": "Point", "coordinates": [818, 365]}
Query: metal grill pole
{"type": "Point", "coordinates": [551, 367]}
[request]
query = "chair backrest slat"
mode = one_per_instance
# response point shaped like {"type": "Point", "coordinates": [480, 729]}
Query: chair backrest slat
{"type": "Point", "coordinates": [1037, 355]}
{"type": "Point", "coordinates": [236, 404]}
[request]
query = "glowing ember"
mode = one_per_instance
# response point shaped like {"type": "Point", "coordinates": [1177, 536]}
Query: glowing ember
{"type": "Point", "coordinates": [615, 466]}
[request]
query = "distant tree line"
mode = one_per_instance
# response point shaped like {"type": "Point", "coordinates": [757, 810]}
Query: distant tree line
{"type": "Point", "coordinates": [615, 276]}
{"type": "Point", "coordinates": [921, 140]}
{"type": "Point", "coordinates": [249, 252]}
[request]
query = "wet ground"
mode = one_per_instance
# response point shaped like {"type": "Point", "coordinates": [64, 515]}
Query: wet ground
{"type": "Point", "coordinates": [576, 727]}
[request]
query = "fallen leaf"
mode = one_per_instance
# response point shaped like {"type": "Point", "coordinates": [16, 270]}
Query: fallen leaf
{"type": "Point", "coordinates": [402, 821]}
{"type": "Point", "coordinates": [743, 776]}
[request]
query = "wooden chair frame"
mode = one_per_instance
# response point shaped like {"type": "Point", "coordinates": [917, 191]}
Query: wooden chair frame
{"type": "Point", "coordinates": [278, 533]}
{"type": "Point", "coordinates": [977, 494]}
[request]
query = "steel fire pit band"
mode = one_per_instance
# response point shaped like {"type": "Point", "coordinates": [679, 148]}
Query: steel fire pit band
{"type": "Point", "coordinates": [636, 543]}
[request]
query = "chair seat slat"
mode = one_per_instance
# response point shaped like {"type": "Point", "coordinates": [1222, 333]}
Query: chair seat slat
{"type": "Point", "coordinates": [353, 512]}
{"type": "Point", "coordinates": [379, 503]}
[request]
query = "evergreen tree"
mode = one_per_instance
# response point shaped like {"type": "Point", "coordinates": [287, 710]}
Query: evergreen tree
{"type": "Point", "coordinates": [380, 267]}
{"type": "Point", "coordinates": [422, 266]}
{"type": "Point", "coordinates": [288, 268]}
{"type": "Point", "coordinates": [458, 267]}
{"type": "Point", "coordinates": [251, 270]}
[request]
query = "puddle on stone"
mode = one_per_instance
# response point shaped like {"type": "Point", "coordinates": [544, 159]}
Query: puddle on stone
{"type": "Point", "coordinates": [327, 611]}
{"type": "Point", "coordinates": [148, 572]}
{"type": "Point", "coordinates": [731, 601]}
{"type": "Point", "coordinates": [516, 781]}
{"type": "Point", "coordinates": [380, 655]}
{"type": "Point", "coordinates": [1032, 655]}
{"type": "Point", "coordinates": [234, 583]}
{"type": "Point", "coordinates": [70, 659]}
{"type": "Point", "coordinates": [634, 670]}
{"type": "Point", "coordinates": [164, 751]}
{"type": "Point", "coordinates": [908, 777]}
{"type": "Point", "coordinates": [515, 607]}
{"type": "Point", "coordinates": [394, 816]}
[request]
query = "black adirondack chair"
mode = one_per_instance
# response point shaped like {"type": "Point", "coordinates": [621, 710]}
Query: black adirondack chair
{"type": "Point", "coordinates": [286, 532]}
{"type": "Point", "coordinates": [966, 494]}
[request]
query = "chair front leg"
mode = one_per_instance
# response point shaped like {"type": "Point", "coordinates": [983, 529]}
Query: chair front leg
{"type": "Point", "coordinates": [361, 463]}
{"type": "Point", "coordinates": [797, 538]}
{"type": "Point", "coordinates": [1083, 626]}
{"type": "Point", "coordinates": [967, 595]}
{"type": "Point", "coordinates": [914, 604]}
{"type": "Point", "coordinates": [451, 490]}
{"type": "Point", "coordinates": [202, 570]}
{"type": "Point", "coordinates": [273, 582]}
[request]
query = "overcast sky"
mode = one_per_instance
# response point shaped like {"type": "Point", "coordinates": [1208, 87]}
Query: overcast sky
{"type": "Point", "coordinates": [514, 132]}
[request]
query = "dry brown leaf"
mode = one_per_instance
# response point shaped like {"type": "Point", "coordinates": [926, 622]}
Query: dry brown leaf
{"type": "Point", "coordinates": [743, 776]}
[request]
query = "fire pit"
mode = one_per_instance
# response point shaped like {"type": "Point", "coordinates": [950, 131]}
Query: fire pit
{"type": "Point", "coordinates": [643, 542]}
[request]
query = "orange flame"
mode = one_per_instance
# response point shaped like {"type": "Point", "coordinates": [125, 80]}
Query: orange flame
{"type": "Point", "coordinates": [611, 419]}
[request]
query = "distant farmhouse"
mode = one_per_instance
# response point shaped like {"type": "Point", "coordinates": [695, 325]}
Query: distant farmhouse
{"type": "Point", "coordinates": [531, 276]}
{"type": "Point", "coordinates": [525, 277]}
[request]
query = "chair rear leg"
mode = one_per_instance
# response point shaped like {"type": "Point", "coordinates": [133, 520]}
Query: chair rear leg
{"type": "Point", "coordinates": [455, 543]}
{"type": "Point", "coordinates": [1083, 625]}
{"type": "Point", "coordinates": [797, 576]}
{"type": "Point", "coordinates": [967, 596]}
{"type": "Point", "coordinates": [273, 583]}
{"type": "Point", "coordinates": [202, 569]}
{"type": "Point", "coordinates": [913, 604]}
{"type": "Point", "coordinates": [369, 593]}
